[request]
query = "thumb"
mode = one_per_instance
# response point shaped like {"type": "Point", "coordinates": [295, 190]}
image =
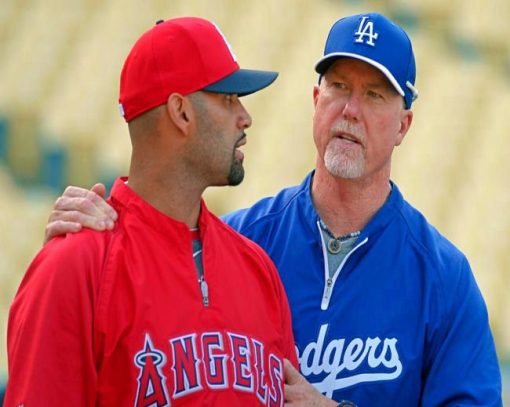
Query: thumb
{"type": "Point", "coordinates": [99, 189]}
{"type": "Point", "coordinates": [290, 373]}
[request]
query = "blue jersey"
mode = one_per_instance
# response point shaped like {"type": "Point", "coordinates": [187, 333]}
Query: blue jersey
{"type": "Point", "coordinates": [401, 322]}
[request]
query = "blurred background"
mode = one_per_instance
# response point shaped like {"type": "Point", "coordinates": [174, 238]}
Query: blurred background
{"type": "Point", "coordinates": [59, 122]}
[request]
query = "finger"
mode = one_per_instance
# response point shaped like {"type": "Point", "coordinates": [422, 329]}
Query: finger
{"type": "Point", "coordinates": [289, 394]}
{"type": "Point", "coordinates": [58, 228]}
{"type": "Point", "coordinates": [77, 192]}
{"type": "Point", "coordinates": [84, 205]}
{"type": "Point", "coordinates": [95, 196]}
{"type": "Point", "coordinates": [290, 373]}
{"type": "Point", "coordinates": [91, 204]}
{"type": "Point", "coordinates": [99, 189]}
{"type": "Point", "coordinates": [90, 221]}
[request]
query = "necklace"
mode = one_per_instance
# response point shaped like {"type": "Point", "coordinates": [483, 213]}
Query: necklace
{"type": "Point", "coordinates": [334, 244]}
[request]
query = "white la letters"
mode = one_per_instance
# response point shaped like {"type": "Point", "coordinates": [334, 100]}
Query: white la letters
{"type": "Point", "coordinates": [366, 29]}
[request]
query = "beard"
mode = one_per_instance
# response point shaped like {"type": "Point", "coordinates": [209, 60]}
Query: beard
{"type": "Point", "coordinates": [344, 164]}
{"type": "Point", "coordinates": [236, 174]}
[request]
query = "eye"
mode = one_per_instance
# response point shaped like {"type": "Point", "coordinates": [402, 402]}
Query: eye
{"type": "Point", "coordinates": [230, 98]}
{"type": "Point", "coordinates": [339, 85]}
{"type": "Point", "coordinates": [374, 95]}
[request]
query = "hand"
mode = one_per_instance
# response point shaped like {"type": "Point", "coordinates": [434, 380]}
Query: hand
{"type": "Point", "coordinates": [79, 207]}
{"type": "Point", "coordinates": [298, 392]}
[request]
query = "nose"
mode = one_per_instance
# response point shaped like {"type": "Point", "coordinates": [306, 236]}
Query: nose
{"type": "Point", "coordinates": [352, 108]}
{"type": "Point", "coordinates": [244, 117]}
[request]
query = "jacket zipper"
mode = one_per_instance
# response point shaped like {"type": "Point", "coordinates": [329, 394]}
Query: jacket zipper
{"type": "Point", "coordinates": [202, 284]}
{"type": "Point", "coordinates": [204, 289]}
{"type": "Point", "coordinates": [330, 281]}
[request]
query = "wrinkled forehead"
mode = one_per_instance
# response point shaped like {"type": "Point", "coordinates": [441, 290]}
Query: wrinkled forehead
{"type": "Point", "coordinates": [352, 68]}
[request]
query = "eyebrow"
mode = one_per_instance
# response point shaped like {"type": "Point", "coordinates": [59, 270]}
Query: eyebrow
{"type": "Point", "coordinates": [382, 83]}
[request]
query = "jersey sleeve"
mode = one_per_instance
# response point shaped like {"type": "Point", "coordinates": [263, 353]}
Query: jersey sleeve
{"type": "Point", "coordinates": [289, 343]}
{"type": "Point", "coordinates": [462, 366]}
{"type": "Point", "coordinates": [289, 347]}
{"type": "Point", "coordinates": [50, 331]}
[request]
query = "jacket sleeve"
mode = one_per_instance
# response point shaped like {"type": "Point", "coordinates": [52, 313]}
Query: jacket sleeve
{"type": "Point", "coordinates": [289, 346]}
{"type": "Point", "coordinates": [461, 362]}
{"type": "Point", "coordinates": [289, 343]}
{"type": "Point", "coordinates": [50, 331]}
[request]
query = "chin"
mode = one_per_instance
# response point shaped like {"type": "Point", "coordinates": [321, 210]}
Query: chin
{"type": "Point", "coordinates": [234, 181]}
{"type": "Point", "coordinates": [236, 174]}
{"type": "Point", "coordinates": [343, 167]}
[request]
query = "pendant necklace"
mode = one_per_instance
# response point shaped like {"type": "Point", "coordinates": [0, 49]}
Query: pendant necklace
{"type": "Point", "coordinates": [334, 244]}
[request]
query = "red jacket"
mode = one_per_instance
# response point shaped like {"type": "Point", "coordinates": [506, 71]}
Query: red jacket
{"type": "Point", "coordinates": [117, 318]}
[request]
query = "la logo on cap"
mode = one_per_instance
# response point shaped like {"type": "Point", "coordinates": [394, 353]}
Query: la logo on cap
{"type": "Point", "coordinates": [366, 29]}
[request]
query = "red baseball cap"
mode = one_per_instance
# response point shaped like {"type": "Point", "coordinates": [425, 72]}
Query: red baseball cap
{"type": "Point", "coordinates": [183, 55]}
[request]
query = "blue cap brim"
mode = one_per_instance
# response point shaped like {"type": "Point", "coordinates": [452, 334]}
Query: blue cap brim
{"type": "Point", "coordinates": [243, 82]}
{"type": "Point", "coordinates": [327, 60]}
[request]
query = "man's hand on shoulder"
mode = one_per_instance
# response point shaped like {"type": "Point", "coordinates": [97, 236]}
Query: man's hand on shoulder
{"type": "Point", "coordinates": [77, 208]}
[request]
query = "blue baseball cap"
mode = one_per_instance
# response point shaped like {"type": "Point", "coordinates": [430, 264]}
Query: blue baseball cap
{"type": "Point", "coordinates": [378, 41]}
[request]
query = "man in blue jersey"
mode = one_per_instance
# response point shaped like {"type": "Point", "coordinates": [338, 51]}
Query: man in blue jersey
{"type": "Point", "coordinates": [386, 311]}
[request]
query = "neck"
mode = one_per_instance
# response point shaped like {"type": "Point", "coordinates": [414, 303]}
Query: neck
{"type": "Point", "coordinates": [347, 205]}
{"type": "Point", "coordinates": [171, 194]}
{"type": "Point", "coordinates": [160, 170]}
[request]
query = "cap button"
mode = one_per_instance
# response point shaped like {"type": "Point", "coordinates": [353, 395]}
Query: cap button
{"type": "Point", "coordinates": [160, 21]}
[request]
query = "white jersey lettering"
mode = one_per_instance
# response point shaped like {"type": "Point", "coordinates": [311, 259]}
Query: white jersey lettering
{"type": "Point", "coordinates": [336, 358]}
{"type": "Point", "coordinates": [194, 356]}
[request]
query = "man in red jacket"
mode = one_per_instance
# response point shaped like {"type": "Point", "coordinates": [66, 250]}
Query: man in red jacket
{"type": "Point", "coordinates": [171, 307]}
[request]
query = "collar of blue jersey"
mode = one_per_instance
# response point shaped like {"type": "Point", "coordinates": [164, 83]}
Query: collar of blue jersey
{"type": "Point", "coordinates": [382, 217]}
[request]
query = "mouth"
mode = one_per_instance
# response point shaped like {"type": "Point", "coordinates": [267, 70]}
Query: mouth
{"type": "Point", "coordinates": [238, 154]}
{"type": "Point", "coordinates": [241, 141]}
{"type": "Point", "coordinates": [348, 138]}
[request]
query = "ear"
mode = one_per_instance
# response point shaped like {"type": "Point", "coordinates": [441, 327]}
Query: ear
{"type": "Point", "coordinates": [180, 111]}
{"type": "Point", "coordinates": [316, 92]}
{"type": "Point", "coordinates": [405, 124]}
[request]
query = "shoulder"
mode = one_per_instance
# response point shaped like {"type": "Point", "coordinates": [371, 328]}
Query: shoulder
{"type": "Point", "coordinates": [436, 258]}
{"type": "Point", "coordinates": [227, 235]}
{"type": "Point", "coordinates": [68, 261]}
{"type": "Point", "coordinates": [82, 247]}
{"type": "Point", "coordinates": [248, 252]}
{"type": "Point", "coordinates": [406, 225]}
{"type": "Point", "coordinates": [428, 240]}
{"type": "Point", "coordinates": [62, 282]}
{"type": "Point", "coordinates": [269, 209]}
